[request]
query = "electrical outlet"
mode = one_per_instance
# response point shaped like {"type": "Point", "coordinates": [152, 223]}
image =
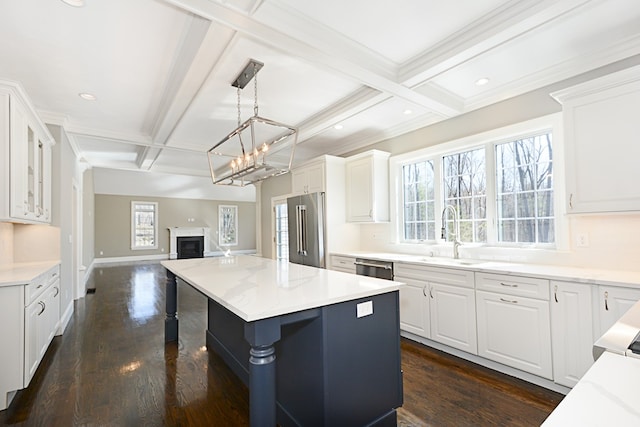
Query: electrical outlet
{"type": "Point", "coordinates": [582, 240]}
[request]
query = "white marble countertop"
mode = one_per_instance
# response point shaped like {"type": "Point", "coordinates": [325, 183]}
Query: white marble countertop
{"type": "Point", "coordinates": [607, 395]}
{"type": "Point", "coordinates": [21, 273]}
{"type": "Point", "coordinates": [256, 288]}
{"type": "Point", "coordinates": [553, 272]}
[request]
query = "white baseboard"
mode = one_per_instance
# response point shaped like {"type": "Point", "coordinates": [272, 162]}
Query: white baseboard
{"type": "Point", "coordinates": [508, 370]}
{"type": "Point", "coordinates": [127, 259]}
{"type": "Point", "coordinates": [65, 318]}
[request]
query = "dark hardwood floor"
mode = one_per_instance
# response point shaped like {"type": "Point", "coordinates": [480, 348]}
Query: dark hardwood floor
{"type": "Point", "coordinates": [111, 368]}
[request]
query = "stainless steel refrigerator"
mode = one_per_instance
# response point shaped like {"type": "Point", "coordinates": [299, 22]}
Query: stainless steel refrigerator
{"type": "Point", "coordinates": [306, 229]}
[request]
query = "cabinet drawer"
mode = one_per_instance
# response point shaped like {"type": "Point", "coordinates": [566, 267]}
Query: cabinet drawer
{"type": "Point", "coordinates": [447, 276]}
{"type": "Point", "coordinates": [513, 285]}
{"type": "Point", "coordinates": [39, 284]}
{"type": "Point", "coordinates": [343, 263]}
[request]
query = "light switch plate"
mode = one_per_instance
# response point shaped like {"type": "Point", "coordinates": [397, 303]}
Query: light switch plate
{"type": "Point", "coordinates": [364, 309]}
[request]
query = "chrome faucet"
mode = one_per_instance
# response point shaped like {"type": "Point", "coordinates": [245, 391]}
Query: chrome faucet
{"type": "Point", "coordinates": [456, 227]}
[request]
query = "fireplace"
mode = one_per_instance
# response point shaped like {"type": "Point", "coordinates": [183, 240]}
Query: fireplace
{"type": "Point", "coordinates": [193, 240]}
{"type": "Point", "coordinates": [190, 247]}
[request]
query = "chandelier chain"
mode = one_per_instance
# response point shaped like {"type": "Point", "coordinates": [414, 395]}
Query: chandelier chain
{"type": "Point", "coordinates": [238, 106]}
{"type": "Point", "coordinates": [255, 90]}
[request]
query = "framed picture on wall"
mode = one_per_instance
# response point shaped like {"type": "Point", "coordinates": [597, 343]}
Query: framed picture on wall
{"type": "Point", "coordinates": [227, 225]}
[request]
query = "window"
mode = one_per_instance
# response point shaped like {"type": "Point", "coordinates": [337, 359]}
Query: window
{"type": "Point", "coordinates": [144, 225]}
{"type": "Point", "coordinates": [419, 201]}
{"type": "Point", "coordinates": [465, 188]}
{"type": "Point", "coordinates": [502, 188]}
{"type": "Point", "coordinates": [281, 236]}
{"type": "Point", "coordinates": [524, 187]}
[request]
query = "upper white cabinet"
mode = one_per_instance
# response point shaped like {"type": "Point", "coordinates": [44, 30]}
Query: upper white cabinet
{"type": "Point", "coordinates": [368, 187]}
{"type": "Point", "coordinates": [571, 331]}
{"type": "Point", "coordinates": [25, 143]}
{"type": "Point", "coordinates": [308, 178]}
{"type": "Point", "coordinates": [601, 128]}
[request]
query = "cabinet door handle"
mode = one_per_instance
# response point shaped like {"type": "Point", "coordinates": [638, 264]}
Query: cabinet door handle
{"type": "Point", "coordinates": [571, 201]}
{"type": "Point", "coordinates": [606, 301]}
{"type": "Point", "coordinates": [510, 301]}
{"type": "Point", "coordinates": [424, 290]}
{"type": "Point", "coordinates": [431, 292]}
{"type": "Point", "coordinates": [43, 305]}
{"type": "Point", "coordinates": [39, 286]}
{"type": "Point", "coordinates": [57, 291]}
{"type": "Point", "coordinates": [555, 292]}
{"type": "Point", "coordinates": [509, 285]}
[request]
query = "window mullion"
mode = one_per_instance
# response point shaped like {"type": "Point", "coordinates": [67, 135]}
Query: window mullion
{"type": "Point", "coordinates": [492, 198]}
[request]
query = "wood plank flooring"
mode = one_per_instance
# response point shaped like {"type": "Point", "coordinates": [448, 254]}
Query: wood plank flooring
{"type": "Point", "coordinates": [111, 368]}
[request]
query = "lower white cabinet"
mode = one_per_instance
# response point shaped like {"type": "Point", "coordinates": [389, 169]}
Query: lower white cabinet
{"type": "Point", "coordinates": [571, 331]}
{"type": "Point", "coordinates": [512, 329]}
{"type": "Point", "coordinates": [41, 322]}
{"type": "Point", "coordinates": [438, 303]}
{"type": "Point", "coordinates": [613, 302]}
{"type": "Point", "coordinates": [342, 263]}
{"type": "Point", "coordinates": [30, 315]}
{"type": "Point", "coordinates": [452, 312]}
{"type": "Point", "coordinates": [414, 306]}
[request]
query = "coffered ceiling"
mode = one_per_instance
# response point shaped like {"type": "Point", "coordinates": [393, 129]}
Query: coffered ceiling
{"type": "Point", "coordinates": [161, 70]}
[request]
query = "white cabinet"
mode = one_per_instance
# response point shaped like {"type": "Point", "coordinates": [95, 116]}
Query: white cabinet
{"type": "Point", "coordinates": [571, 331]}
{"type": "Point", "coordinates": [30, 315]}
{"type": "Point", "coordinates": [513, 329]}
{"type": "Point", "coordinates": [613, 302]}
{"type": "Point", "coordinates": [343, 263]}
{"type": "Point", "coordinates": [308, 178]}
{"type": "Point", "coordinates": [368, 187]}
{"type": "Point", "coordinates": [25, 143]}
{"type": "Point", "coordinates": [438, 303]}
{"type": "Point", "coordinates": [600, 125]}
{"type": "Point", "coordinates": [41, 321]}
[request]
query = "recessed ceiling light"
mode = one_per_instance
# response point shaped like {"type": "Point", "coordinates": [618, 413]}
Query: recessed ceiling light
{"type": "Point", "coordinates": [87, 96]}
{"type": "Point", "coordinates": [407, 112]}
{"type": "Point", "coordinates": [482, 81]}
{"type": "Point", "coordinates": [338, 127]}
{"type": "Point", "coordinates": [74, 3]}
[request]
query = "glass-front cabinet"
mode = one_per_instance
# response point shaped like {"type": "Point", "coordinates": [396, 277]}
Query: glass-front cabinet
{"type": "Point", "coordinates": [26, 144]}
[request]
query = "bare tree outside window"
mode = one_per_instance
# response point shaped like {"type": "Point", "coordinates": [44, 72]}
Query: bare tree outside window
{"type": "Point", "coordinates": [465, 188]}
{"type": "Point", "coordinates": [524, 187]}
{"type": "Point", "coordinates": [144, 227]}
{"type": "Point", "coordinates": [419, 201]}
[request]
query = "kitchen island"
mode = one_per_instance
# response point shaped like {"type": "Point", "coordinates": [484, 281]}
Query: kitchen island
{"type": "Point", "coordinates": [315, 347]}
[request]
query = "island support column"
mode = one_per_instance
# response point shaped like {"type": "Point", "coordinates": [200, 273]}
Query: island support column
{"type": "Point", "coordinates": [171, 321]}
{"type": "Point", "coordinates": [261, 335]}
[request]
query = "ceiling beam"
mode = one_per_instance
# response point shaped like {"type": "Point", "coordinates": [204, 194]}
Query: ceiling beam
{"type": "Point", "coordinates": [333, 60]}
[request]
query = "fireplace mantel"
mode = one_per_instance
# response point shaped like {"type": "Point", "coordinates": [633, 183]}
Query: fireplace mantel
{"type": "Point", "coordinates": [175, 232]}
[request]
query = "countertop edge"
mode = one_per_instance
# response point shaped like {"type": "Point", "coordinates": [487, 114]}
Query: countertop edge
{"type": "Point", "coordinates": [586, 276]}
{"type": "Point", "coordinates": [22, 273]}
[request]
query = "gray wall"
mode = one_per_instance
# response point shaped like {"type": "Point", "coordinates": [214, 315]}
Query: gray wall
{"type": "Point", "coordinates": [113, 223]}
{"type": "Point", "coordinates": [270, 188]}
{"type": "Point", "coordinates": [88, 218]}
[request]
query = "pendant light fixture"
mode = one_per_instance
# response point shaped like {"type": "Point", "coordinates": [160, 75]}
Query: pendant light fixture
{"type": "Point", "coordinates": [257, 149]}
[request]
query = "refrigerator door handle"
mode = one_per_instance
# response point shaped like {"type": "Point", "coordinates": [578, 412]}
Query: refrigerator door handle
{"type": "Point", "coordinates": [301, 220]}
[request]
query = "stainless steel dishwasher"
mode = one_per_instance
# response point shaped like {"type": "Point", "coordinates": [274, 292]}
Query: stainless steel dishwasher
{"type": "Point", "coordinates": [374, 268]}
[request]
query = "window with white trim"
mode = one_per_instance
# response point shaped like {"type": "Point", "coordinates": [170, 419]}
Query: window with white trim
{"type": "Point", "coordinates": [502, 189]}
{"type": "Point", "coordinates": [419, 201]}
{"type": "Point", "coordinates": [524, 187]}
{"type": "Point", "coordinates": [465, 188]}
{"type": "Point", "coordinates": [144, 225]}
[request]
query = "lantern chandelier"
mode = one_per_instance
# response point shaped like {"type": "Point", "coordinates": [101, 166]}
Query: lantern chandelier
{"type": "Point", "coordinates": [257, 149]}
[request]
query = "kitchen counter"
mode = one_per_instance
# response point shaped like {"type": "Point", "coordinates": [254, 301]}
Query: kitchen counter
{"type": "Point", "coordinates": [21, 273]}
{"type": "Point", "coordinates": [553, 272]}
{"type": "Point", "coordinates": [255, 288]}
{"type": "Point", "coordinates": [304, 340]}
{"type": "Point", "coordinates": [607, 393]}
